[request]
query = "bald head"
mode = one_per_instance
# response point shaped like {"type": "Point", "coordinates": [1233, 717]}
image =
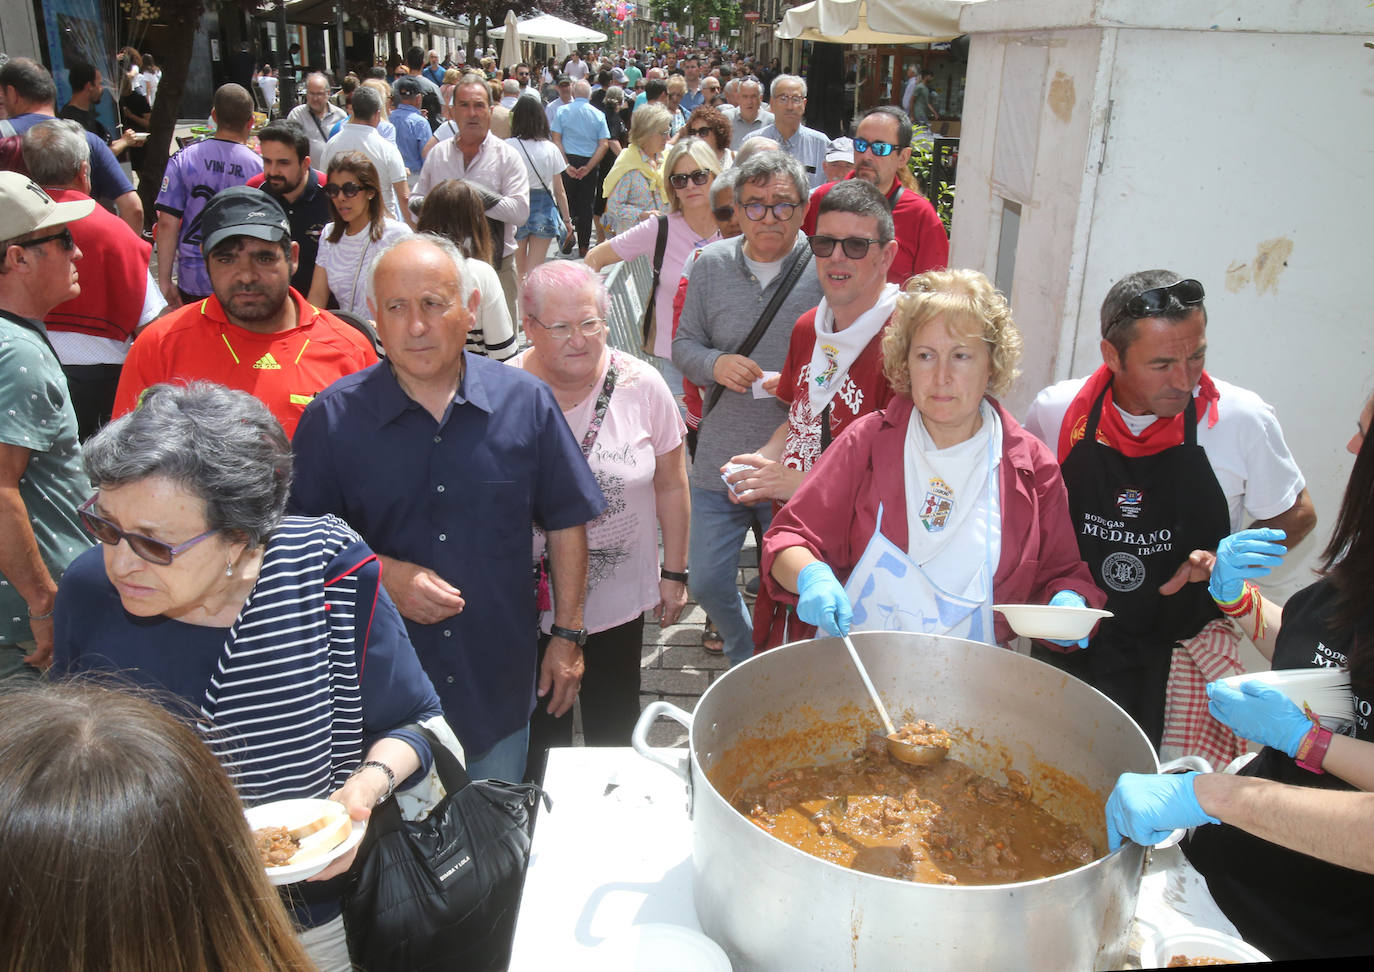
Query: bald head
{"type": "Point", "coordinates": [581, 89]}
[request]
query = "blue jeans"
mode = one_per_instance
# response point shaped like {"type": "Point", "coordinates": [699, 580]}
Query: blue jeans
{"type": "Point", "coordinates": [718, 529]}
{"type": "Point", "coordinates": [505, 760]}
{"type": "Point", "coordinates": [673, 376]}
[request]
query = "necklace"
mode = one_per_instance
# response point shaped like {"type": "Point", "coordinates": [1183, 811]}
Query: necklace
{"type": "Point", "coordinates": [362, 262]}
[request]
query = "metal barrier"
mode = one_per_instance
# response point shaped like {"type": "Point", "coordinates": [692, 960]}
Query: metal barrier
{"type": "Point", "coordinates": [627, 284]}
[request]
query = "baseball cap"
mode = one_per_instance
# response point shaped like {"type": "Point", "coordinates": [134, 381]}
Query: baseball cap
{"type": "Point", "coordinates": [242, 211]}
{"type": "Point", "coordinates": [25, 207]}
{"type": "Point", "coordinates": [564, 79]}
{"type": "Point", "coordinates": [840, 150]}
{"type": "Point", "coordinates": [407, 87]}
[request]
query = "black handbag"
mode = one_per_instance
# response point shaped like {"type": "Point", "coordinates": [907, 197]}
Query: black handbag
{"type": "Point", "coordinates": [443, 892]}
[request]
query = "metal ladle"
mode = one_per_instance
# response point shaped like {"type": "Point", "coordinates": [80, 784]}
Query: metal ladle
{"type": "Point", "coordinates": [900, 750]}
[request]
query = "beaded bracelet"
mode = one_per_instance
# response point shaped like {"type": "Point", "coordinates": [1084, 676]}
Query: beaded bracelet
{"type": "Point", "coordinates": [390, 776]}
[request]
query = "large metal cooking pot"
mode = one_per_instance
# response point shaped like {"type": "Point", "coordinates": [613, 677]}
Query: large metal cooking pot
{"type": "Point", "coordinates": [772, 906]}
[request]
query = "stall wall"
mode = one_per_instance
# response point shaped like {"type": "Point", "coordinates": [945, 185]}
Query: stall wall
{"type": "Point", "coordinates": [1237, 156]}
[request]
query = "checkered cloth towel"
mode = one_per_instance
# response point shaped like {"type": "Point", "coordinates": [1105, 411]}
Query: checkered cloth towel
{"type": "Point", "coordinates": [1188, 727]}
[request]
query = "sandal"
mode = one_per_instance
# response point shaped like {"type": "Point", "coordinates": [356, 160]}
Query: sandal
{"type": "Point", "coordinates": [711, 640]}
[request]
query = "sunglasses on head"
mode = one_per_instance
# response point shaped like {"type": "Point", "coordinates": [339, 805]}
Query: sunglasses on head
{"type": "Point", "coordinates": [879, 149]}
{"type": "Point", "coordinates": [1157, 301]}
{"type": "Point", "coordinates": [698, 177]}
{"type": "Point", "coordinates": [153, 551]}
{"type": "Point", "coordinates": [854, 247]}
{"type": "Point", "coordinates": [64, 239]}
{"type": "Point", "coordinates": [348, 190]}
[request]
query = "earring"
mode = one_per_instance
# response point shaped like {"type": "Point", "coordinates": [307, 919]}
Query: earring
{"type": "Point", "coordinates": [229, 569]}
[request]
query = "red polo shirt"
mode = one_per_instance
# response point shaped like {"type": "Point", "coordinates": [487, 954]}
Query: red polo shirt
{"type": "Point", "coordinates": [284, 370]}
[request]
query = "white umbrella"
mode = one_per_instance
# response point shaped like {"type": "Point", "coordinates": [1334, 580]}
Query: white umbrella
{"type": "Point", "coordinates": [872, 21]}
{"type": "Point", "coordinates": [510, 42]}
{"type": "Point", "coordinates": [547, 29]}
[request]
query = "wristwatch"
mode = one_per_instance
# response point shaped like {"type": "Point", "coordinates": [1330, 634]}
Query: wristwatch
{"type": "Point", "coordinates": [577, 636]}
{"type": "Point", "coordinates": [673, 575]}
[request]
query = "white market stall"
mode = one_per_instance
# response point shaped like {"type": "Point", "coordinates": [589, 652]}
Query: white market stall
{"type": "Point", "coordinates": [548, 29]}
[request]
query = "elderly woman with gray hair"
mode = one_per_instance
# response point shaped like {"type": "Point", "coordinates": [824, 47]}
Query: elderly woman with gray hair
{"type": "Point", "coordinates": [253, 623]}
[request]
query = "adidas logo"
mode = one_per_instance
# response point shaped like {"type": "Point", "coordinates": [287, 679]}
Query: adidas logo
{"type": "Point", "coordinates": [267, 362]}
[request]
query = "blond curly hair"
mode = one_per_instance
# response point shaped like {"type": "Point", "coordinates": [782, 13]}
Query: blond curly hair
{"type": "Point", "coordinates": [968, 304]}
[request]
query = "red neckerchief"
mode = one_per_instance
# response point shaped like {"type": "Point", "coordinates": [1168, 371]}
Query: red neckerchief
{"type": "Point", "coordinates": [1111, 429]}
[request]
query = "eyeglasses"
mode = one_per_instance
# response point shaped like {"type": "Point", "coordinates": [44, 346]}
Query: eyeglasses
{"type": "Point", "coordinates": [64, 238]}
{"type": "Point", "coordinates": [561, 330]}
{"type": "Point", "coordinates": [700, 132]}
{"type": "Point", "coordinates": [723, 214]}
{"type": "Point", "coordinates": [781, 211]}
{"type": "Point", "coordinates": [698, 177]}
{"type": "Point", "coordinates": [1156, 301]}
{"type": "Point", "coordinates": [153, 551]}
{"type": "Point", "coordinates": [880, 149]}
{"type": "Point", "coordinates": [788, 99]}
{"type": "Point", "coordinates": [855, 247]}
{"type": "Point", "coordinates": [348, 190]}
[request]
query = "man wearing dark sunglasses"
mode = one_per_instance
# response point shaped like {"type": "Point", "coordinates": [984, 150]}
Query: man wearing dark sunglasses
{"type": "Point", "coordinates": [882, 150]}
{"type": "Point", "coordinates": [40, 461]}
{"type": "Point", "coordinates": [1161, 461]}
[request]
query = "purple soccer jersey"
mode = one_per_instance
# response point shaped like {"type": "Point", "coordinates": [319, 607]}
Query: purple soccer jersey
{"type": "Point", "coordinates": [192, 177]}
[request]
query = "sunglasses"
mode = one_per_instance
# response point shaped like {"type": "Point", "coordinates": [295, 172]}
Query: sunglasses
{"type": "Point", "coordinates": [781, 211]}
{"type": "Point", "coordinates": [561, 330]}
{"type": "Point", "coordinates": [855, 247]}
{"type": "Point", "coordinates": [1156, 301]}
{"type": "Point", "coordinates": [698, 177]}
{"type": "Point", "coordinates": [699, 132]}
{"type": "Point", "coordinates": [723, 214]}
{"type": "Point", "coordinates": [880, 149]}
{"type": "Point", "coordinates": [153, 551]}
{"type": "Point", "coordinates": [64, 238]}
{"type": "Point", "coordinates": [348, 190]}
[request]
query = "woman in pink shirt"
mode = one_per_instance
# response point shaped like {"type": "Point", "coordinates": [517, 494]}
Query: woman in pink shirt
{"type": "Point", "coordinates": [622, 412]}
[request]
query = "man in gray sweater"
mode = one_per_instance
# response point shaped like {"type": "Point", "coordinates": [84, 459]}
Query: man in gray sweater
{"type": "Point", "coordinates": [732, 282]}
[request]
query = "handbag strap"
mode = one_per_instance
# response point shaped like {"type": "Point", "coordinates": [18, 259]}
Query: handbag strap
{"type": "Point", "coordinates": [825, 427]}
{"type": "Point", "coordinates": [451, 772]}
{"type": "Point", "coordinates": [603, 403]}
{"type": "Point", "coordinates": [789, 280]}
{"type": "Point", "coordinates": [542, 184]}
{"type": "Point", "coordinates": [660, 247]}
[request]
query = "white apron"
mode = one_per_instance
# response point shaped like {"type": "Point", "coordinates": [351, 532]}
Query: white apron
{"type": "Point", "coordinates": [890, 592]}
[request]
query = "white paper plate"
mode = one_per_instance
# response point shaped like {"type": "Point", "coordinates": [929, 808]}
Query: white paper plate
{"type": "Point", "coordinates": [656, 947]}
{"type": "Point", "coordinates": [1196, 943]}
{"type": "Point", "coordinates": [1062, 623]}
{"type": "Point", "coordinates": [290, 813]}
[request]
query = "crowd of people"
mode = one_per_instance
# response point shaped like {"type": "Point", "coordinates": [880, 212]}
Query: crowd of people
{"type": "Point", "coordinates": [359, 399]}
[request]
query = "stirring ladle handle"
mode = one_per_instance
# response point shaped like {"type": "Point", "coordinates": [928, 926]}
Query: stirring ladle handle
{"type": "Point", "coordinates": [868, 684]}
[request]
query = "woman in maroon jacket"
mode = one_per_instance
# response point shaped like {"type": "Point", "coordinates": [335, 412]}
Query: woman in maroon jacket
{"type": "Point", "coordinates": [939, 505]}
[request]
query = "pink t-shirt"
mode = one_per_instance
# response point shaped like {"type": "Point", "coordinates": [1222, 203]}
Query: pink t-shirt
{"type": "Point", "coordinates": [641, 424]}
{"type": "Point", "coordinates": [640, 238]}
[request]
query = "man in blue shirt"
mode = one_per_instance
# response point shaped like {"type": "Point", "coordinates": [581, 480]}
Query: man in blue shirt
{"type": "Point", "coordinates": [434, 70]}
{"type": "Point", "coordinates": [412, 130]}
{"type": "Point", "coordinates": [695, 97]}
{"type": "Point", "coordinates": [580, 130]}
{"type": "Point", "coordinates": [463, 457]}
{"type": "Point", "coordinates": [30, 96]}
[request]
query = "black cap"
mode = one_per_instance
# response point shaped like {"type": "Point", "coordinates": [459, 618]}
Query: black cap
{"type": "Point", "coordinates": [564, 79]}
{"type": "Point", "coordinates": [407, 87]}
{"type": "Point", "coordinates": [242, 211]}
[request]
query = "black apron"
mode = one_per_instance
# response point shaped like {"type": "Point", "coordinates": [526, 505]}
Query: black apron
{"type": "Point", "coordinates": [1137, 519]}
{"type": "Point", "coordinates": [1288, 905]}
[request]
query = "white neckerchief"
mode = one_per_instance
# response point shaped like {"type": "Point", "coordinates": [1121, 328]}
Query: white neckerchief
{"type": "Point", "coordinates": [946, 489]}
{"type": "Point", "coordinates": [834, 352]}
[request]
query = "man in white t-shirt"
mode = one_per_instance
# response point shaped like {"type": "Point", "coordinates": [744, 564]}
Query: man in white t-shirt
{"type": "Point", "coordinates": [1161, 462]}
{"type": "Point", "coordinates": [360, 135]}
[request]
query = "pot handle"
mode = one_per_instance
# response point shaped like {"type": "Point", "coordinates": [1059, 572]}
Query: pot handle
{"type": "Point", "coordinates": [639, 739]}
{"type": "Point", "coordinates": [1184, 764]}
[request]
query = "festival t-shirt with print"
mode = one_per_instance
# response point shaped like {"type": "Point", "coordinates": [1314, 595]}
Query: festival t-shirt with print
{"type": "Point", "coordinates": [192, 178]}
{"type": "Point", "coordinates": [864, 390]}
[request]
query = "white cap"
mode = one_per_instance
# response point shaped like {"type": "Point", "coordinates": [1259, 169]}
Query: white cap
{"type": "Point", "coordinates": [840, 150]}
{"type": "Point", "coordinates": [25, 207]}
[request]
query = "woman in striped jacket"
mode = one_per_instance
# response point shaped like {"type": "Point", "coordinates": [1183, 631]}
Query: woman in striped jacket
{"type": "Point", "coordinates": [271, 633]}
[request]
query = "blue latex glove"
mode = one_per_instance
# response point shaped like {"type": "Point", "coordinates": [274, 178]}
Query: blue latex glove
{"type": "Point", "coordinates": [1260, 713]}
{"type": "Point", "coordinates": [1249, 553]}
{"type": "Point", "coordinates": [1068, 599]}
{"type": "Point", "coordinates": [821, 599]}
{"type": "Point", "coordinates": [1147, 807]}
